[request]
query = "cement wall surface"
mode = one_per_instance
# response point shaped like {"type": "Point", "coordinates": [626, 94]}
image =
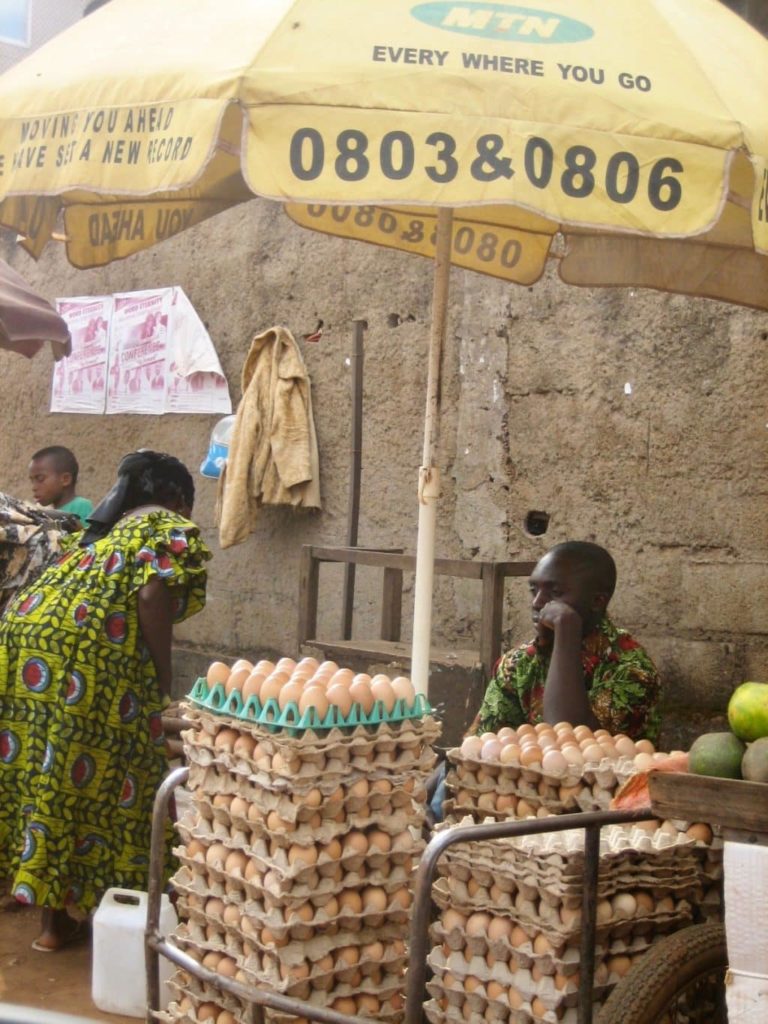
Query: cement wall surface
{"type": "Point", "coordinates": [536, 416]}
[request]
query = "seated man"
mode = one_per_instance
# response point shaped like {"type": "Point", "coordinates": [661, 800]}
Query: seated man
{"type": "Point", "coordinates": [579, 668]}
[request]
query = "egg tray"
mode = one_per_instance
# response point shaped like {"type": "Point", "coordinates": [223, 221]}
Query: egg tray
{"type": "Point", "coordinates": [270, 891]}
{"type": "Point", "coordinates": [208, 784]}
{"type": "Point", "coordinates": [414, 732]}
{"type": "Point", "coordinates": [245, 834]}
{"type": "Point", "coordinates": [548, 890]}
{"type": "Point", "coordinates": [403, 830]}
{"type": "Point", "coordinates": [276, 893]}
{"type": "Point", "coordinates": [582, 795]}
{"type": "Point", "coordinates": [314, 765]}
{"type": "Point", "coordinates": [175, 1015]}
{"type": "Point", "coordinates": [271, 917]}
{"type": "Point", "coordinates": [509, 976]}
{"type": "Point", "coordinates": [276, 860]}
{"type": "Point", "coordinates": [567, 846]}
{"type": "Point", "coordinates": [607, 931]}
{"type": "Point", "coordinates": [184, 984]}
{"type": "Point", "coordinates": [566, 961]}
{"type": "Point", "coordinates": [209, 932]}
{"type": "Point", "coordinates": [493, 1011]}
{"type": "Point", "coordinates": [203, 880]}
{"type": "Point", "coordinates": [536, 877]}
{"type": "Point", "coordinates": [265, 968]}
{"type": "Point", "coordinates": [272, 717]}
{"type": "Point", "coordinates": [609, 772]}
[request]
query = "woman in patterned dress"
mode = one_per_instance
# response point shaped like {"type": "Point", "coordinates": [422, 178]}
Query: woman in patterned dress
{"type": "Point", "coordinates": [85, 662]}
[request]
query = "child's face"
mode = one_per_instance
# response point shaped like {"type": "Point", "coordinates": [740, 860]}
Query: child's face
{"type": "Point", "coordinates": [48, 484]}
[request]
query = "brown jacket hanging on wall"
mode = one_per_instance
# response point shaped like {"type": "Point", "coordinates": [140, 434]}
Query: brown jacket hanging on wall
{"type": "Point", "coordinates": [273, 458]}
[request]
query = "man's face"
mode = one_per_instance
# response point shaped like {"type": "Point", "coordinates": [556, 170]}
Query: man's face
{"type": "Point", "coordinates": [557, 579]}
{"type": "Point", "coordinates": [47, 482]}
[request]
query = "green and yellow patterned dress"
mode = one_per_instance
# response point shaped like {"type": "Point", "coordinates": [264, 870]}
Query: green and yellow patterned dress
{"type": "Point", "coordinates": [81, 738]}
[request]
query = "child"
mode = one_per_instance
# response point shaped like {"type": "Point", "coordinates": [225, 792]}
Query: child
{"type": "Point", "coordinates": [53, 474]}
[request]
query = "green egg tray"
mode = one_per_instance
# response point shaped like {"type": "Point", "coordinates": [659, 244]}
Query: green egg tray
{"type": "Point", "coordinates": [291, 719]}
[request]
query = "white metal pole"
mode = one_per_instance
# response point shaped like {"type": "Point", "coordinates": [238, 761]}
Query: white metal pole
{"type": "Point", "coordinates": [429, 476]}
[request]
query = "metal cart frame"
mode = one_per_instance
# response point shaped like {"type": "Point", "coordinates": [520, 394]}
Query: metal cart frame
{"type": "Point", "coordinates": [157, 945]}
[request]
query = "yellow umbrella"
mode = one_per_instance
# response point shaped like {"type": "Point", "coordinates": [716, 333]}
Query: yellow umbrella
{"type": "Point", "coordinates": [636, 133]}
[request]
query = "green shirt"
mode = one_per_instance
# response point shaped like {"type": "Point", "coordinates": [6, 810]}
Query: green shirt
{"type": "Point", "coordinates": [621, 681]}
{"type": "Point", "coordinates": [80, 507]}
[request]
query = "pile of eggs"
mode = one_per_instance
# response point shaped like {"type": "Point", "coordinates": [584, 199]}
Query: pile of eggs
{"type": "Point", "coordinates": [557, 749]}
{"type": "Point", "coordinates": [298, 852]}
{"type": "Point", "coordinates": [508, 933]}
{"type": "Point", "coordinates": [311, 684]}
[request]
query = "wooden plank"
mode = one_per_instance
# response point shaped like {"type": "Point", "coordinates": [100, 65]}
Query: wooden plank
{"type": "Point", "coordinates": [463, 568]}
{"type": "Point", "coordinates": [309, 580]}
{"type": "Point", "coordinates": [729, 803]}
{"type": "Point", "coordinates": [490, 616]}
{"type": "Point", "coordinates": [516, 568]}
{"type": "Point", "coordinates": [391, 604]}
{"type": "Point", "coordinates": [382, 650]}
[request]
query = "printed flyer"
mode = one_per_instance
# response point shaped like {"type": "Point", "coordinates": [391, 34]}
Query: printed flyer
{"type": "Point", "coordinates": [143, 352]}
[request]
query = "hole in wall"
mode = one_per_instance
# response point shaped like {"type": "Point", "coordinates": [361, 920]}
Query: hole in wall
{"type": "Point", "coordinates": [536, 523]}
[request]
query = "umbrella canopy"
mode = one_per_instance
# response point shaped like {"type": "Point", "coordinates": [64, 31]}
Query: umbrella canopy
{"type": "Point", "coordinates": [27, 320]}
{"type": "Point", "coordinates": [638, 132]}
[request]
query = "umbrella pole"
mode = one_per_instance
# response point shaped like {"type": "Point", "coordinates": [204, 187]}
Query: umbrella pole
{"type": "Point", "coordinates": [429, 475]}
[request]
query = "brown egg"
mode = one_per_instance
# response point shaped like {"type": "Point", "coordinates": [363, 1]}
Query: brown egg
{"type": "Point", "coordinates": [342, 675]}
{"type": "Point", "coordinates": [214, 907]}
{"type": "Point", "coordinates": [208, 1011]}
{"type": "Point", "coordinates": [309, 664]}
{"type": "Point", "coordinates": [644, 747]}
{"type": "Point", "coordinates": [404, 690]}
{"type": "Point", "coordinates": [593, 753]}
{"type": "Point", "coordinates": [235, 862]}
{"type": "Point", "coordinates": [351, 901]}
{"type": "Point", "coordinates": [541, 944]}
{"type": "Point", "coordinates": [272, 685]}
{"type": "Point", "coordinates": [530, 755]}
{"type": "Point", "coordinates": [339, 696]}
{"type": "Point", "coordinates": [360, 693]}
{"type": "Point", "coordinates": [264, 666]}
{"type": "Point", "coordinates": [244, 745]}
{"type": "Point", "coordinates": [231, 915]}
{"type": "Point", "coordinates": [285, 665]}
{"type": "Point", "coordinates": [328, 666]}
{"type": "Point", "coordinates": [624, 746]}
{"type": "Point", "coordinates": [290, 693]}
{"type": "Point", "coordinates": [306, 855]}
{"type": "Point", "coordinates": [237, 678]}
{"type": "Point", "coordinates": [252, 685]}
{"type": "Point", "coordinates": [700, 832]}
{"type": "Point", "coordinates": [314, 697]}
{"type": "Point", "coordinates": [217, 672]}
{"type": "Point", "coordinates": [381, 689]}
{"type": "Point", "coordinates": [225, 739]}
{"type": "Point", "coordinates": [500, 928]}
{"type": "Point", "coordinates": [216, 855]}
{"type": "Point", "coordinates": [510, 754]}
{"type": "Point", "coordinates": [582, 732]}
{"type": "Point", "coordinates": [478, 923]}
{"type": "Point", "coordinates": [227, 967]}
{"type": "Point", "coordinates": [355, 842]}
{"type": "Point", "coordinates": [374, 898]}
{"type": "Point", "coordinates": [211, 960]}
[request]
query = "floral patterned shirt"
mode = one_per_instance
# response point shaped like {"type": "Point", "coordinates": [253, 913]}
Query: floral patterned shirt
{"type": "Point", "coordinates": [621, 680]}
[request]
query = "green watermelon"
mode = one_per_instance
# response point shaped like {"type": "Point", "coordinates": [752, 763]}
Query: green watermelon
{"type": "Point", "coordinates": [718, 754]}
{"type": "Point", "coordinates": [748, 711]}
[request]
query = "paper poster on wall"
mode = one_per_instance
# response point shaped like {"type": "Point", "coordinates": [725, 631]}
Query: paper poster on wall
{"type": "Point", "coordinates": [80, 380]}
{"type": "Point", "coordinates": [159, 358]}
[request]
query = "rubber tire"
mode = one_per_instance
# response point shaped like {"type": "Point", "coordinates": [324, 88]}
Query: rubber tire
{"type": "Point", "coordinates": [669, 966]}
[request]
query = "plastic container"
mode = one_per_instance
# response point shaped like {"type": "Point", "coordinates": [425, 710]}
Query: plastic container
{"type": "Point", "coordinates": [118, 980]}
{"type": "Point", "coordinates": [218, 449]}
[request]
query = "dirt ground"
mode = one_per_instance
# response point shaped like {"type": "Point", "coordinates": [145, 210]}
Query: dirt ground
{"type": "Point", "coordinates": [47, 981]}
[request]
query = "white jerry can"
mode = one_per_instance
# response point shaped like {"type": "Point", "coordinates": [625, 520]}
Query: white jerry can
{"type": "Point", "coordinates": [118, 980]}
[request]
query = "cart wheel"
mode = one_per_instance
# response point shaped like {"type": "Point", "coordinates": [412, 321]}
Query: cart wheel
{"type": "Point", "coordinates": [680, 979]}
